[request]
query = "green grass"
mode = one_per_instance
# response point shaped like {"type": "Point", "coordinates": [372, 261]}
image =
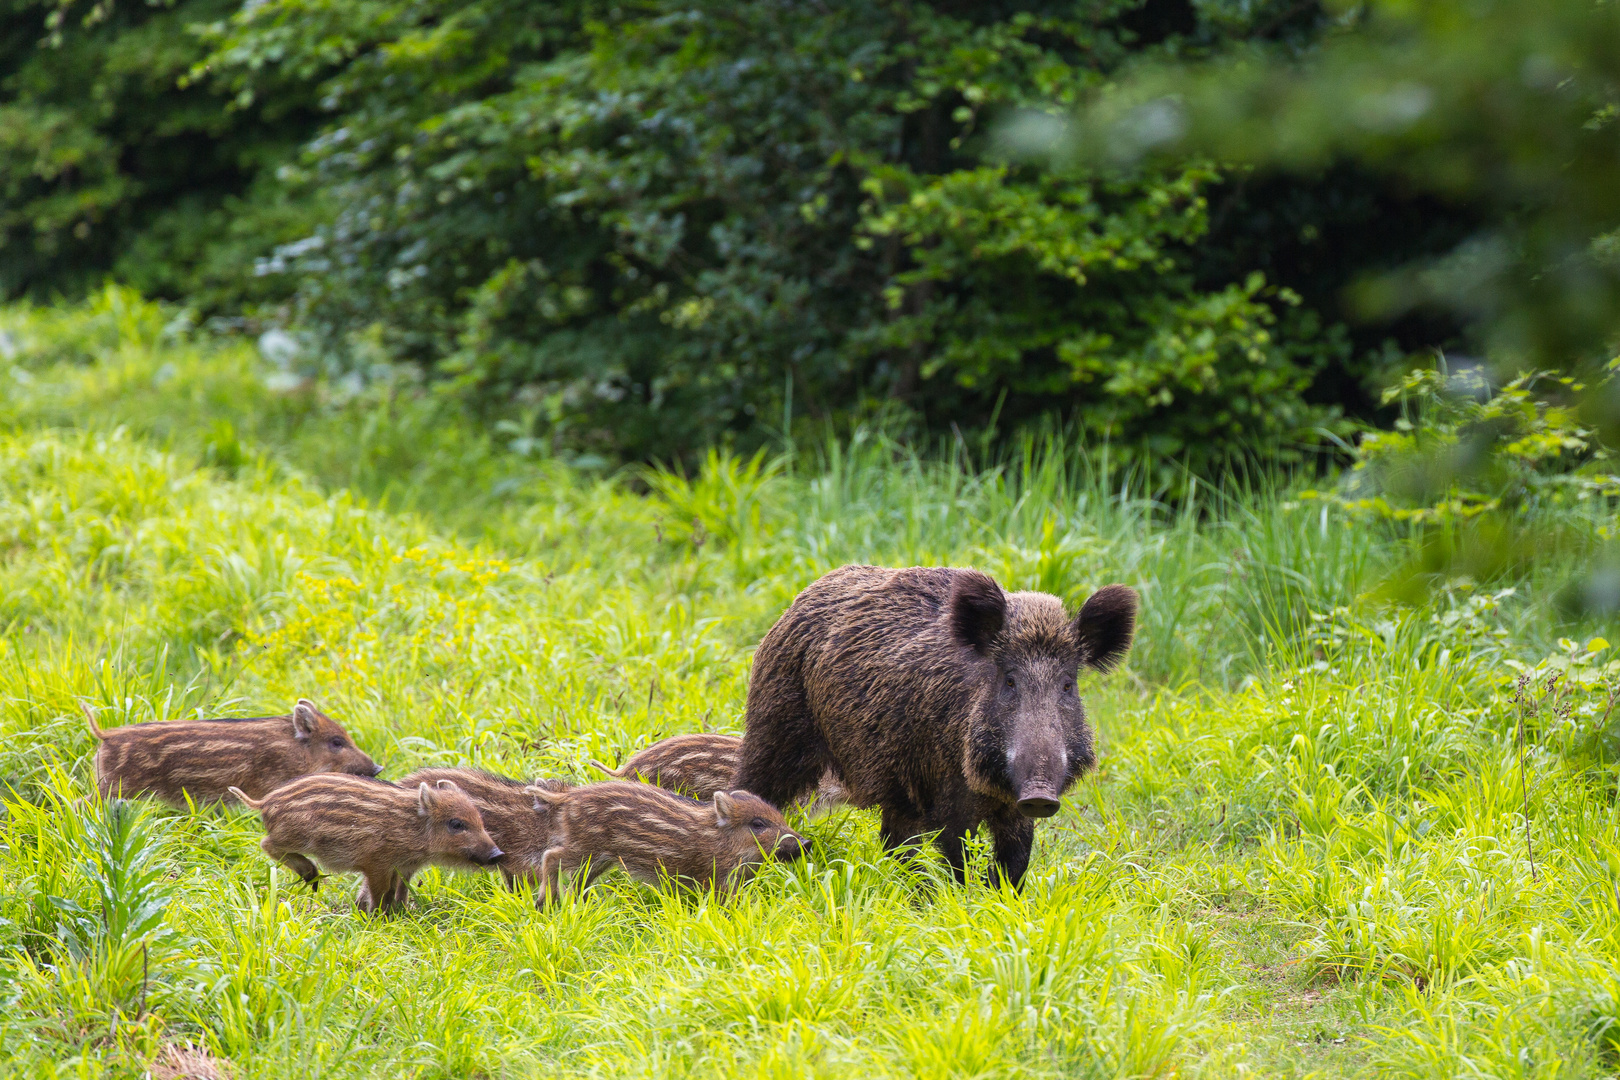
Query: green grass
{"type": "Point", "coordinates": [1304, 851]}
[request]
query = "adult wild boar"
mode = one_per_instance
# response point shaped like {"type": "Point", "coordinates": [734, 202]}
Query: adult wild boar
{"type": "Point", "coordinates": [934, 696]}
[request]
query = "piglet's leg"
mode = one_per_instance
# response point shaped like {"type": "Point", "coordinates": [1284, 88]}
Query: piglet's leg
{"type": "Point", "coordinates": [376, 891]}
{"type": "Point", "coordinates": [292, 860]}
{"type": "Point", "coordinates": [550, 877]}
{"type": "Point", "coordinates": [402, 891]}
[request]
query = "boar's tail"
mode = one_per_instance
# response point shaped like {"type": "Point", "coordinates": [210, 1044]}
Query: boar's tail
{"type": "Point", "coordinates": [240, 794]}
{"type": "Point", "coordinates": [617, 774]}
{"type": "Point", "coordinates": [90, 718]}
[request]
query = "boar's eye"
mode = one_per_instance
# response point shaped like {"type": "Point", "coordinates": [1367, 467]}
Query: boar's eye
{"type": "Point", "coordinates": [757, 823]}
{"type": "Point", "coordinates": [455, 824]}
{"type": "Point", "coordinates": [1010, 683]}
{"type": "Point", "coordinates": [1067, 686]}
{"type": "Point", "coordinates": [336, 743]}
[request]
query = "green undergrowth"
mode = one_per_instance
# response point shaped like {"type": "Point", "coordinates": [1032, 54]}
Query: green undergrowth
{"type": "Point", "coordinates": [1305, 850]}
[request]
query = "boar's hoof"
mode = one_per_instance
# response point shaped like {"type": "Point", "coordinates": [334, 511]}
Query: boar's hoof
{"type": "Point", "coordinates": [1036, 806]}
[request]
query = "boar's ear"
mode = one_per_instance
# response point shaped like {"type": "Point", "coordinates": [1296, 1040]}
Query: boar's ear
{"type": "Point", "coordinates": [978, 609]}
{"type": "Point", "coordinates": [1105, 626]}
{"type": "Point", "coordinates": [424, 799]}
{"type": "Point", "coordinates": [725, 808]}
{"type": "Point", "coordinates": [303, 719]}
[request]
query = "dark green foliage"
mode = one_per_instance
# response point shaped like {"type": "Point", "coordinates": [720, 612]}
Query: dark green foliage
{"type": "Point", "coordinates": [1504, 110]}
{"type": "Point", "coordinates": [112, 159]}
{"type": "Point", "coordinates": [659, 225]}
{"type": "Point", "coordinates": [646, 228]}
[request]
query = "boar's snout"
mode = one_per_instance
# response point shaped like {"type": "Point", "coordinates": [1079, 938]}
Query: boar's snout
{"type": "Point", "coordinates": [1037, 781]}
{"type": "Point", "coordinates": [492, 857]}
{"type": "Point", "coordinates": [1037, 801]}
{"type": "Point", "coordinates": [792, 847]}
{"type": "Point", "coordinates": [376, 770]}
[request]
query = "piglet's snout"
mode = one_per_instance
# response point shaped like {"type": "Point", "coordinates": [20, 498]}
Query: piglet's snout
{"type": "Point", "coordinates": [792, 847]}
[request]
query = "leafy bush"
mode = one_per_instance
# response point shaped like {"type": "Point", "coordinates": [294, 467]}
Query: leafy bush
{"type": "Point", "coordinates": [1469, 463]}
{"type": "Point", "coordinates": [113, 160]}
{"type": "Point", "coordinates": [1461, 448]}
{"type": "Point", "coordinates": [639, 230]}
{"type": "Point", "coordinates": [662, 225]}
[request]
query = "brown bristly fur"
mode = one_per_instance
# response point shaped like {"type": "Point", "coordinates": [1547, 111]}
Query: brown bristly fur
{"type": "Point", "coordinates": [518, 822]}
{"type": "Point", "coordinates": [171, 759]}
{"type": "Point", "coordinates": [934, 696]}
{"type": "Point", "coordinates": [701, 763]}
{"type": "Point", "coordinates": [655, 834]}
{"type": "Point", "coordinates": [383, 831]}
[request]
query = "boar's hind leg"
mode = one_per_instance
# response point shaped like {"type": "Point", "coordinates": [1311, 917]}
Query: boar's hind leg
{"type": "Point", "coordinates": [1012, 839]}
{"type": "Point", "coordinates": [783, 755]}
{"type": "Point", "coordinates": [900, 832]}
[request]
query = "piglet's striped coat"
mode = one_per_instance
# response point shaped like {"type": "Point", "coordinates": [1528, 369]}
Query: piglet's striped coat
{"type": "Point", "coordinates": [170, 759]}
{"type": "Point", "coordinates": [653, 833]}
{"type": "Point", "coordinates": [380, 830]}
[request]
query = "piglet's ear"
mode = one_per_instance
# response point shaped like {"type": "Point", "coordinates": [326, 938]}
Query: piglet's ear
{"type": "Point", "coordinates": [448, 785]}
{"type": "Point", "coordinates": [1105, 626]}
{"type": "Point", "coordinates": [424, 799]}
{"type": "Point", "coordinates": [725, 808]}
{"type": "Point", "coordinates": [304, 715]}
{"type": "Point", "coordinates": [978, 608]}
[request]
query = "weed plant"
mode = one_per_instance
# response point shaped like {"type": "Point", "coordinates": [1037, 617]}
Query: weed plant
{"type": "Point", "coordinates": [1304, 850]}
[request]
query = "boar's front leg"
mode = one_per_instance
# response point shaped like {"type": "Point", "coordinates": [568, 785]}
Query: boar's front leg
{"type": "Point", "coordinates": [952, 843]}
{"type": "Point", "coordinates": [903, 830]}
{"type": "Point", "coordinates": [1013, 838]}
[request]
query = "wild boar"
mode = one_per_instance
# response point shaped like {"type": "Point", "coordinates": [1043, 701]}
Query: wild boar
{"type": "Point", "coordinates": [383, 831]}
{"type": "Point", "coordinates": [699, 764]}
{"type": "Point", "coordinates": [204, 758]}
{"type": "Point", "coordinates": [520, 824]}
{"type": "Point", "coordinates": [653, 833]}
{"type": "Point", "coordinates": [936, 697]}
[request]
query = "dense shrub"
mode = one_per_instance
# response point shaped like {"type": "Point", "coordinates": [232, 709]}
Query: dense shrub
{"type": "Point", "coordinates": [664, 224]}
{"type": "Point", "coordinates": [650, 227]}
{"type": "Point", "coordinates": [113, 160]}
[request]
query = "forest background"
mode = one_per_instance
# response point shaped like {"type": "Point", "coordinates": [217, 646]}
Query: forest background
{"type": "Point", "coordinates": [628, 231]}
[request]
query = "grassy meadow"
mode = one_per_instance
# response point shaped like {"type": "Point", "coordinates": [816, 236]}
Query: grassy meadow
{"type": "Point", "coordinates": [1305, 851]}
